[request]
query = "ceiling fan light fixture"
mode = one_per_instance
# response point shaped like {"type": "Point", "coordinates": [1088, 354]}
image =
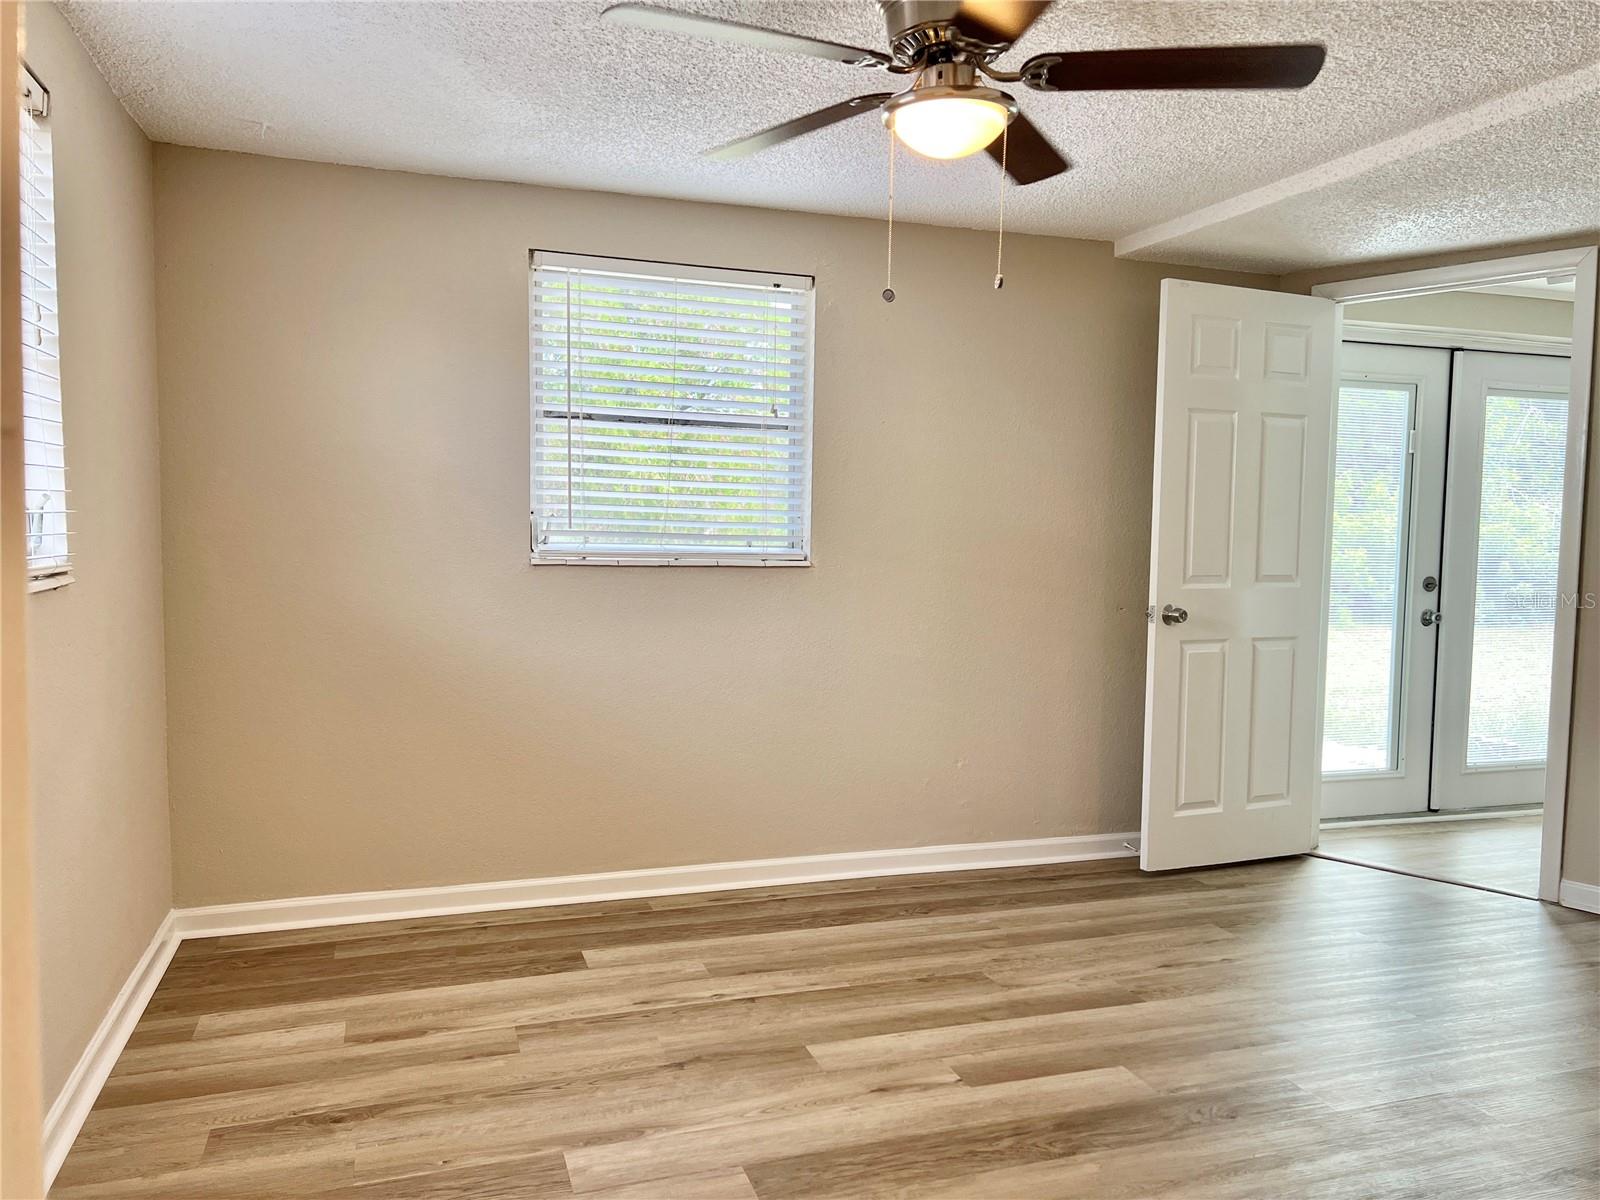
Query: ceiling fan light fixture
{"type": "Point", "coordinates": [949, 122]}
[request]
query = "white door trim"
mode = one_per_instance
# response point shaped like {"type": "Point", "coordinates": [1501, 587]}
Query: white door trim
{"type": "Point", "coordinates": [1456, 276]}
{"type": "Point", "coordinates": [1580, 261]}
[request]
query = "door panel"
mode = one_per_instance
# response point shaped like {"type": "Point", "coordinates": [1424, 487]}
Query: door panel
{"type": "Point", "coordinates": [1208, 530]}
{"type": "Point", "coordinates": [1244, 407]}
{"type": "Point", "coordinates": [1202, 701]}
{"type": "Point", "coordinates": [1272, 693]}
{"type": "Point", "coordinates": [1508, 437]}
{"type": "Point", "coordinates": [1386, 532]}
{"type": "Point", "coordinates": [1283, 476]}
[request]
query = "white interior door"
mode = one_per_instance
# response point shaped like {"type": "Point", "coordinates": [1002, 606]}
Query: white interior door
{"type": "Point", "coordinates": [1502, 540]}
{"type": "Point", "coordinates": [1387, 525]}
{"type": "Point", "coordinates": [1237, 569]}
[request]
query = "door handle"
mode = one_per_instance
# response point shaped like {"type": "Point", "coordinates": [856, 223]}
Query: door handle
{"type": "Point", "coordinates": [1430, 617]}
{"type": "Point", "coordinates": [1173, 615]}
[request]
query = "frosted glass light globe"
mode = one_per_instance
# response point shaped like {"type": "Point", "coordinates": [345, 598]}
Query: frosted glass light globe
{"type": "Point", "coordinates": [949, 126]}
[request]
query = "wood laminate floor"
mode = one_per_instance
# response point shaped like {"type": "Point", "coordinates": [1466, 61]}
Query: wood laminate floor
{"type": "Point", "coordinates": [1495, 852]}
{"type": "Point", "coordinates": [1299, 1028]}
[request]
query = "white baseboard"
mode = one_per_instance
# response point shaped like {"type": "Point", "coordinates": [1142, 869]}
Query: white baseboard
{"type": "Point", "coordinates": [78, 1094]}
{"type": "Point", "coordinates": [77, 1097]}
{"type": "Point", "coordinates": [1580, 895]}
{"type": "Point", "coordinates": [306, 911]}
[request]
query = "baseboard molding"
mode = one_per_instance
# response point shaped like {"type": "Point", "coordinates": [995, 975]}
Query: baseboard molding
{"type": "Point", "coordinates": [308, 911]}
{"type": "Point", "coordinates": [78, 1094]}
{"type": "Point", "coordinates": [1580, 895]}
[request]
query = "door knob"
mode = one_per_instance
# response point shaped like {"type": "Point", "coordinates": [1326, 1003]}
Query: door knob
{"type": "Point", "coordinates": [1429, 617]}
{"type": "Point", "coordinates": [1173, 615]}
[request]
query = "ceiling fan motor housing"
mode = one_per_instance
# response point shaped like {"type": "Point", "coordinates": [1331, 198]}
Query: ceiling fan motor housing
{"type": "Point", "coordinates": [924, 31]}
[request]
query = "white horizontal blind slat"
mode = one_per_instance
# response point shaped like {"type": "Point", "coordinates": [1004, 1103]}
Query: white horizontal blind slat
{"type": "Point", "coordinates": [43, 445]}
{"type": "Point", "coordinates": [671, 410]}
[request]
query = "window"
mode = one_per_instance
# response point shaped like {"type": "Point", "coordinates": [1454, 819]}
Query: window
{"type": "Point", "coordinates": [43, 455]}
{"type": "Point", "coordinates": [671, 413]}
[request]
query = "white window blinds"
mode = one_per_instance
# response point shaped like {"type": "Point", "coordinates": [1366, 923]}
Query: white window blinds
{"type": "Point", "coordinates": [671, 412]}
{"type": "Point", "coordinates": [43, 455]}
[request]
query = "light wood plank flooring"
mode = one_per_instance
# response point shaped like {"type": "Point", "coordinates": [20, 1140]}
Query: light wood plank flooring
{"type": "Point", "coordinates": [1300, 1028]}
{"type": "Point", "coordinates": [1496, 852]}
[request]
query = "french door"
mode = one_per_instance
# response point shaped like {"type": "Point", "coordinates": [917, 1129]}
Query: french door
{"type": "Point", "coordinates": [1389, 472]}
{"type": "Point", "coordinates": [1445, 533]}
{"type": "Point", "coordinates": [1502, 529]}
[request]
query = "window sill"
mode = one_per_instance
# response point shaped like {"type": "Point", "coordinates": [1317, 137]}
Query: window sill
{"type": "Point", "coordinates": [643, 561]}
{"type": "Point", "coordinates": [49, 583]}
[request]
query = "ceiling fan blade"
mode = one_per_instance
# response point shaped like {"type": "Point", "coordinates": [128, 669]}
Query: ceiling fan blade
{"type": "Point", "coordinates": [1029, 156]}
{"type": "Point", "coordinates": [666, 20]}
{"type": "Point", "coordinates": [820, 119]}
{"type": "Point", "coordinates": [998, 22]}
{"type": "Point", "coordinates": [1281, 66]}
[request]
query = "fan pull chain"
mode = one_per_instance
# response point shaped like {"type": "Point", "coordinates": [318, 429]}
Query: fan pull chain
{"type": "Point", "coordinates": [888, 272]}
{"type": "Point", "coordinates": [1000, 242]}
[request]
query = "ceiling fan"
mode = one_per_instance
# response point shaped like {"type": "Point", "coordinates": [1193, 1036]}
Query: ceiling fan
{"type": "Point", "coordinates": [947, 44]}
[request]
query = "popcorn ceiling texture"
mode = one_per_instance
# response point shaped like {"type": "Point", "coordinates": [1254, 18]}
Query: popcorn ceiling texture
{"type": "Point", "coordinates": [547, 93]}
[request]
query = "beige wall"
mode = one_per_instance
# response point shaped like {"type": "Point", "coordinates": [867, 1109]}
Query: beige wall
{"type": "Point", "coordinates": [369, 685]}
{"type": "Point", "coordinates": [1581, 851]}
{"type": "Point", "coordinates": [1486, 312]}
{"type": "Point", "coordinates": [95, 666]}
{"type": "Point", "coordinates": [20, 1104]}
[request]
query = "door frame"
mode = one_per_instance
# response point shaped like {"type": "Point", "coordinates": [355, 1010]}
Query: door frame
{"type": "Point", "coordinates": [1581, 261]}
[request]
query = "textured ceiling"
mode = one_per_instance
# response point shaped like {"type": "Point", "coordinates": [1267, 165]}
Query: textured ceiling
{"type": "Point", "coordinates": [546, 93]}
{"type": "Point", "coordinates": [1523, 180]}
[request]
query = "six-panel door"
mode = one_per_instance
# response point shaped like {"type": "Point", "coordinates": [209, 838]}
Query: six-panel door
{"type": "Point", "coordinates": [1244, 414]}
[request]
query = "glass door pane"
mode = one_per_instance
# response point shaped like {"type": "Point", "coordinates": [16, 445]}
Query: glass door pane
{"type": "Point", "coordinates": [1367, 580]}
{"type": "Point", "coordinates": [1503, 509]}
{"type": "Point", "coordinates": [1519, 542]}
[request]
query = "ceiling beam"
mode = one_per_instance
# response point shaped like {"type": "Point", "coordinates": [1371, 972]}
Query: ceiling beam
{"type": "Point", "coordinates": [1525, 101]}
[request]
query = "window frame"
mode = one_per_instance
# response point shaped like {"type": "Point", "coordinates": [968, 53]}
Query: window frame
{"type": "Point", "coordinates": [34, 102]}
{"type": "Point", "coordinates": [703, 273]}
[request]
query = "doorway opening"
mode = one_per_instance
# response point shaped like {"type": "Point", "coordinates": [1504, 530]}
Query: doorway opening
{"type": "Point", "coordinates": [1447, 644]}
